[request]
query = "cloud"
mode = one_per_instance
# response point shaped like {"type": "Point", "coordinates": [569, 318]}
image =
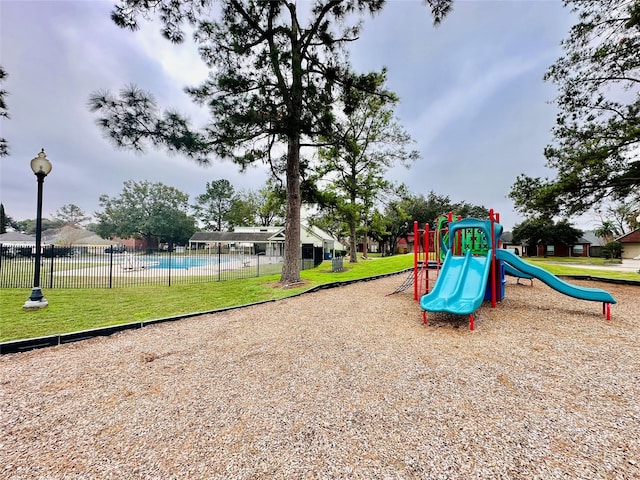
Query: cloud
{"type": "Point", "coordinates": [468, 98]}
{"type": "Point", "coordinates": [471, 95]}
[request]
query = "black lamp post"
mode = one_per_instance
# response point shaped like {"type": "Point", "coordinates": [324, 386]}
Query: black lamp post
{"type": "Point", "coordinates": [41, 167]}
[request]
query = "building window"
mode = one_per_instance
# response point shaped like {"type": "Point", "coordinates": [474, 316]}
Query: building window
{"type": "Point", "coordinates": [578, 249]}
{"type": "Point", "coordinates": [551, 249]}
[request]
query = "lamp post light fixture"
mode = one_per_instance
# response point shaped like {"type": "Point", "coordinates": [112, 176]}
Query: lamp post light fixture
{"type": "Point", "coordinates": [41, 167]}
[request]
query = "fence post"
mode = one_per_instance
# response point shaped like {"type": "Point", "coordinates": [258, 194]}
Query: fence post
{"type": "Point", "coordinates": [169, 265]}
{"type": "Point", "coordinates": [219, 270]}
{"type": "Point", "coordinates": [53, 254]}
{"type": "Point", "coordinates": [111, 266]}
{"type": "Point", "coordinates": [258, 265]}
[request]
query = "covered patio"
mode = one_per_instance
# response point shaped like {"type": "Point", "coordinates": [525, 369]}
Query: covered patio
{"type": "Point", "coordinates": [268, 243]}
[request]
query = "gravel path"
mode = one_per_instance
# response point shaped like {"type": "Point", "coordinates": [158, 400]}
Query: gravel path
{"type": "Point", "coordinates": [342, 383]}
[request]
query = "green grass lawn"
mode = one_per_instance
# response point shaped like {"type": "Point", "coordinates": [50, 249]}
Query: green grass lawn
{"type": "Point", "coordinates": [575, 260]}
{"type": "Point", "coordinates": [563, 266]}
{"type": "Point", "coordinates": [72, 310]}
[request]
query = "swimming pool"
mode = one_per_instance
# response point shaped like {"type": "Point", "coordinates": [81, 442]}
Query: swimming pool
{"type": "Point", "coordinates": [181, 262]}
{"type": "Point", "coordinates": [188, 262]}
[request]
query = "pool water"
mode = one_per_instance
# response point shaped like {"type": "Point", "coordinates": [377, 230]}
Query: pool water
{"type": "Point", "coordinates": [181, 262]}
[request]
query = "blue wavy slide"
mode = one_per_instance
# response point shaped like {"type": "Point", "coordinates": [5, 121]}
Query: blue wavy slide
{"type": "Point", "coordinates": [582, 293]}
{"type": "Point", "coordinates": [460, 285]}
{"type": "Point", "coordinates": [514, 272]}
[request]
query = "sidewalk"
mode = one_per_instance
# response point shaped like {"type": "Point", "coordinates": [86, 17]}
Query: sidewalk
{"type": "Point", "coordinates": [627, 265]}
{"type": "Point", "coordinates": [630, 265]}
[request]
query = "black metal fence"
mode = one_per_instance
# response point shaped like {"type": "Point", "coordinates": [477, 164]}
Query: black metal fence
{"type": "Point", "coordinates": [111, 267]}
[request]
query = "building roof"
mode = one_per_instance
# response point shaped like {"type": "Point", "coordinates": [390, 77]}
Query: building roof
{"type": "Point", "coordinates": [631, 237]}
{"type": "Point", "coordinates": [70, 235]}
{"type": "Point", "coordinates": [272, 229]}
{"type": "Point", "coordinates": [16, 237]}
{"type": "Point", "coordinates": [262, 235]}
{"type": "Point", "coordinates": [92, 240]}
{"type": "Point", "coordinates": [506, 237]}
{"type": "Point", "coordinates": [590, 237]}
{"type": "Point", "coordinates": [322, 235]}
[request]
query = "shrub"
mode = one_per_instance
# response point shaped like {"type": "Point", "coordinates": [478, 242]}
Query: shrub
{"type": "Point", "coordinates": [612, 250]}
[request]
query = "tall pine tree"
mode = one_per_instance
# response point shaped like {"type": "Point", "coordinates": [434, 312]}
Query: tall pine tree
{"type": "Point", "coordinates": [275, 73]}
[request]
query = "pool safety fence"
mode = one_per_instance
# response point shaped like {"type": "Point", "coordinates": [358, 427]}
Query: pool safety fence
{"type": "Point", "coordinates": [113, 267]}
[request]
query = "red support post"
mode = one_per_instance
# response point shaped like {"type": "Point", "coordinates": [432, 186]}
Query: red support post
{"type": "Point", "coordinates": [426, 257]}
{"type": "Point", "coordinates": [416, 245]}
{"type": "Point", "coordinates": [472, 325]}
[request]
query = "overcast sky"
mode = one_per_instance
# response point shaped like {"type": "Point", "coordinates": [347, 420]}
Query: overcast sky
{"type": "Point", "coordinates": [471, 90]}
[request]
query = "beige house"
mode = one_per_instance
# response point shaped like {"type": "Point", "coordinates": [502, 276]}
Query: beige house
{"type": "Point", "coordinates": [630, 244]}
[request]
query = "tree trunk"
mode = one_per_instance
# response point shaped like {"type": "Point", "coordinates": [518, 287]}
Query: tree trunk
{"type": "Point", "coordinates": [365, 242]}
{"type": "Point", "coordinates": [291, 267]}
{"type": "Point", "coordinates": [353, 243]}
{"type": "Point", "coordinates": [148, 237]}
{"type": "Point", "coordinates": [292, 247]}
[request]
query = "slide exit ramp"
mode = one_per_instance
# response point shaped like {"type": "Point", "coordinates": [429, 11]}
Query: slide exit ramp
{"type": "Point", "coordinates": [582, 293]}
{"type": "Point", "coordinates": [514, 272]}
{"type": "Point", "coordinates": [460, 286]}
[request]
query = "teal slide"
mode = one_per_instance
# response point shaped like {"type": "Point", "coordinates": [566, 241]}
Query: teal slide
{"type": "Point", "coordinates": [460, 285]}
{"type": "Point", "coordinates": [514, 272]}
{"type": "Point", "coordinates": [582, 293]}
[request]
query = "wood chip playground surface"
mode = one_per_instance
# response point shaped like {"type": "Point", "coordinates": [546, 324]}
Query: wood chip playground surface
{"type": "Point", "coordinates": [341, 383]}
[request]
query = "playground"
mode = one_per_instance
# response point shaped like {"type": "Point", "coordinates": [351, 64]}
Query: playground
{"type": "Point", "coordinates": [471, 267]}
{"type": "Point", "coordinates": [339, 383]}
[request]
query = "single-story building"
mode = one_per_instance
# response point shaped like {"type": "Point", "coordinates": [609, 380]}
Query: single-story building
{"type": "Point", "coordinates": [506, 241]}
{"type": "Point", "coordinates": [133, 244]}
{"type": "Point", "coordinates": [405, 245]}
{"type": "Point", "coordinates": [313, 236]}
{"type": "Point", "coordinates": [630, 244]}
{"type": "Point", "coordinates": [267, 240]}
{"type": "Point", "coordinates": [17, 238]}
{"type": "Point", "coordinates": [73, 236]}
{"type": "Point", "coordinates": [580, 249]}
{"type": "Point", "coordinates": [596, 243]}
{"type": "Point", "coordinates": [16, 243]}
